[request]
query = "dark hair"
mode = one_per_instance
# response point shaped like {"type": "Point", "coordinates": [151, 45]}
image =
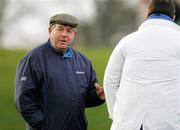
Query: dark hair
{"type": "Point", "coordinates": [162, 6]}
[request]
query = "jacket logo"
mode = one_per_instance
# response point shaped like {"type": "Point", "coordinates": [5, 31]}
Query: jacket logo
{"type": "Point", "coordinates": [80, 72]}
{"type": "Point", "coordinates": [23, 78]}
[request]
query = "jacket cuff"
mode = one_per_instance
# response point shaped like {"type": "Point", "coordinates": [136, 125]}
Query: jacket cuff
{"type": "Point", "coordinates": [93, 99]}
{"type": "Point", "coordinates": [36, 120]}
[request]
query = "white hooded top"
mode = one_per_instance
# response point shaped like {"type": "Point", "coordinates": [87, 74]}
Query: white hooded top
{"type": "Point", "coordinates": [142, 78]}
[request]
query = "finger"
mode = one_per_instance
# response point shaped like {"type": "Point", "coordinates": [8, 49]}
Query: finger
{"type": "Point", "coordinates": [97, 85]}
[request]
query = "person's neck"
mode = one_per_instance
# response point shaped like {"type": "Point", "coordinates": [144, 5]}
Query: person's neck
{"type": "Point", "coordinates": [58, 50]}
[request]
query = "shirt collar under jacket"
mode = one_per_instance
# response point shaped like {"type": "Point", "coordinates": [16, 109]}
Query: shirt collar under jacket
{"type": "Point", "coordinates": [160, 16]}
{"type": "Point", "coordinates": [68, 53]}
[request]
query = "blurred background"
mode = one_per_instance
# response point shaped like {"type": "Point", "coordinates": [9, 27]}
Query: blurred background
{"type": "Point", "coordinates": [24, 25]}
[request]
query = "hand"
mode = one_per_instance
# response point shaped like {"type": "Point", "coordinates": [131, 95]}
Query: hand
{"type": "Point", "coordinates": [100, 91]}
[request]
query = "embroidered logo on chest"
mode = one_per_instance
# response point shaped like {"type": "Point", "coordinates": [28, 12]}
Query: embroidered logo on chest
{"type": "Point", "coordinates": [80, 72]}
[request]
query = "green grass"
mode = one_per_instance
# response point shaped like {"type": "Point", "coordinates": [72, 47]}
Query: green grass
{"type": "Point", "coordinates": [10, 118]}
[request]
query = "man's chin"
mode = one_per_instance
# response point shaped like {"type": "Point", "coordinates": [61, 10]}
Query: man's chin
{"type": "Point", "coordinates": [62, 48]}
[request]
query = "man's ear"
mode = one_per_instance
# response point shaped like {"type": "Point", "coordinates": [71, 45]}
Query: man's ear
{"type": "Point", "coordinates": [49, 29]}
{"type": "Point", "coordinates": [174, 17]}
{"type": "Point", "coordinates": [75, 33]}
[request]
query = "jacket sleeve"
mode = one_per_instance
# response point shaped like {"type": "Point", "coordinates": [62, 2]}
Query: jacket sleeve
{"type": "Point", "coordinates": [25, 93]}
{"type": "Point", "coordinates": [92, 99]}
{"type": "Point", "coordinates": [112, 77]}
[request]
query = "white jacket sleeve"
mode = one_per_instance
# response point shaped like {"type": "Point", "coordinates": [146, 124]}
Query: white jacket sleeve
{"type": "Point", "coordinates": [112, 76]}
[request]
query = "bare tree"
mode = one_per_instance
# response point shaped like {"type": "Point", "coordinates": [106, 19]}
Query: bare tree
{"type": "Point", "coordinates": [114, 20]}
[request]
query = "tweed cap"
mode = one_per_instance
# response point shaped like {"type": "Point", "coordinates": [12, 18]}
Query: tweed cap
{"type": "Point", "coordinates": [64, 19]}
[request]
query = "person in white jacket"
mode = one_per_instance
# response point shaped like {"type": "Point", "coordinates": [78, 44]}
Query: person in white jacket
{"type": "Point", "coordinates": [142, 77]}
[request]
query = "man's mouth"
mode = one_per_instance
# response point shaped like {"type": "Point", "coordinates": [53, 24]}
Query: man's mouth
{"type": "Point", "coordinates": [63, 41]}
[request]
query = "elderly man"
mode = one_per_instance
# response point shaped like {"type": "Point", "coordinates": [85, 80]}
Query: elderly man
{"type": "Point", "coordinates": [142, 78]}
{"type": "Point", "coordinates": [54, 82]}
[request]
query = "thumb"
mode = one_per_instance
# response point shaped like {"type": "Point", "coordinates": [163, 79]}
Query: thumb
{"type": "Point", "coordinates": [97, 86]}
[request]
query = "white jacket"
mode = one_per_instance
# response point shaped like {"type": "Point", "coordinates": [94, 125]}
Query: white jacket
{"type": "Point", "coordinates": [142, 78]}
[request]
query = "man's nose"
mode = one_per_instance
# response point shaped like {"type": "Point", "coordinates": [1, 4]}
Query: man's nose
{"type": "Point", "coordinates": [64, 33]}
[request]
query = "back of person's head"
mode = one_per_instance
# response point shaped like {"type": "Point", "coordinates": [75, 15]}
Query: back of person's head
{"type": "Point", "coordinates": [162, 6]}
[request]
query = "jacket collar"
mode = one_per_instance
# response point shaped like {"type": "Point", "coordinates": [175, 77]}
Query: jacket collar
{"type": "Point", "coordinates": [159, 22]}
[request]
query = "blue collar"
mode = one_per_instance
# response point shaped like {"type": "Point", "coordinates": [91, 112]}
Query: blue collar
{"type": "Point", "coordinates": [68, 53]}
{"type": "Point", "coordinates": [160, 16]}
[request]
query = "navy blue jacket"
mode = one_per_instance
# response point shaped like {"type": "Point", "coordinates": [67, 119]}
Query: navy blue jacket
{"type": "Point", "coordinates": [51, 91]}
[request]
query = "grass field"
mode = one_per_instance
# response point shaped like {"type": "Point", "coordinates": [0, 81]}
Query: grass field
{"type": "Point", "coordinates": [10, 118]}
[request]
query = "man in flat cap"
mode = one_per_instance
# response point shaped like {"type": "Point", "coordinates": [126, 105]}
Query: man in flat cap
{"type": "Point", "coordinates": [142, 78]}
{"type": "Point", "coordinates": [55, 83]}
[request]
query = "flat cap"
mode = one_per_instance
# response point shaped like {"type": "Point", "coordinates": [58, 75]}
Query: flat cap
{"type": "Point", "coordinates": [64, 19]}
